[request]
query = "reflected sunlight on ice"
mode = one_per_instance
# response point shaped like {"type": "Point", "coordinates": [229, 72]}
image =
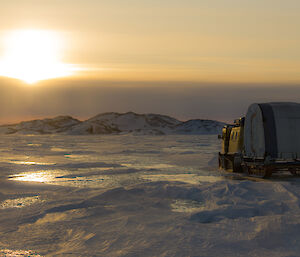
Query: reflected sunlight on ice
{"type": "Point", "coordinates": [31, 163]}
{"type": "Point", "coordinates": [16, 253]}
{"type": "Point", "coordinates": [151, 166]}
{"type": "Point", "coordinates": [110, 161]}
{"type": "Point", "coordinates": [41, 176]}
{"type": "Point", "coordinates": [19, 202]}
{"type": "Point", "coordinates": [186, 178]}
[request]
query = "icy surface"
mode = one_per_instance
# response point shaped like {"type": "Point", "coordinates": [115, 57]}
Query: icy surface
{"type": "Point", "coordinates": [125, 195]}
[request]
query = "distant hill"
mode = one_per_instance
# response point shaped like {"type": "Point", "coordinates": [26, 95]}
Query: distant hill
{"type": "Point", "coordinates": [115, 123]}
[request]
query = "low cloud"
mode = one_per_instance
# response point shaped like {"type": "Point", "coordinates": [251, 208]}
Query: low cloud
{"type": "Point", "coordinates": [183, 100]}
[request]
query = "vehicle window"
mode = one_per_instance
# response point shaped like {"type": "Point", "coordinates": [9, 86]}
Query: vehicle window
{"type": "Point", "coordinates": [236, 135]}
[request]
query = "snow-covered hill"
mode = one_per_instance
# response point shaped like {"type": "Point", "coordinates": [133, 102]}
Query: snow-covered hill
{"type": "Point", "coordinates": [115, 123]}
{"type": "Point", "coordinates": [130, 122]}
{"type": "Point", "coordinates": [199, 127]}
{"type": "Point", "coordinates": [46, 126]}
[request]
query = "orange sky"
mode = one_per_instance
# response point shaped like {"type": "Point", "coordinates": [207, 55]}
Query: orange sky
{"type": "Point", "coordinates": [220, 41]}
{"type": "Point", "coordinates": [188, 59]}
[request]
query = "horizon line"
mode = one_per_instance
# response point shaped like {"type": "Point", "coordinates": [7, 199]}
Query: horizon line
{"type": "Point", "coordinates": [82, 118]}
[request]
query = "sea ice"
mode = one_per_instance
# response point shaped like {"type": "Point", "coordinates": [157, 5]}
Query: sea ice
{"type": "Point", "coordinates": [126, 195]}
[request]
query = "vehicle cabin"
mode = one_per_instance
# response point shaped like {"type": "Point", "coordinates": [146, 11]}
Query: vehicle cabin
{"type": "Point", "coordinates": [266, 141]}
{"type": "Point", "coordinates": [233, 140]}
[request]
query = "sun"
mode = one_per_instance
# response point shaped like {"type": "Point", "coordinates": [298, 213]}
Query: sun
{"type": "Point", "coordinates": [33, 55]}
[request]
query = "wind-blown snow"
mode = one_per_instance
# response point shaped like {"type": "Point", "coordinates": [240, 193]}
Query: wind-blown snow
{"type": "Point", "coordinates": [125, 195]}
{"type": "Point", "coordinates": [115, 123]}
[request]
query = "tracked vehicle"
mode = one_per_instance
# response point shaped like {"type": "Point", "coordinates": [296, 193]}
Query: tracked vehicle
{"type": "Point", "coordinates": [265, 141]}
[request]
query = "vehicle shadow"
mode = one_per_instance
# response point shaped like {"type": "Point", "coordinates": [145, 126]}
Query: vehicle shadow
{"type": "Point", "coordinates": [277, 177]}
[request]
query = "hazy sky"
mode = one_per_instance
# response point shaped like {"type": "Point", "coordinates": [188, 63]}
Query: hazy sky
{"type": "Point", "coordinates": [175, 54]}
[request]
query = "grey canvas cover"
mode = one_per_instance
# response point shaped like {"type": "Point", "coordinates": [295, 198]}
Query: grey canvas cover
{"type": "Point", "coordinates": [272, 129]}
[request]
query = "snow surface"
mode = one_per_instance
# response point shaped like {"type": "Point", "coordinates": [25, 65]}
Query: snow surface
{"type": "Point", "coordinates": [115, 123]}
{"type": "Point", "coordinates": [125, 195]}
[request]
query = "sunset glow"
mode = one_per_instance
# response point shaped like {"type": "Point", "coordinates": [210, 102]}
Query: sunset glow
{"type": "Point", "coordinates": [33, 55]}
